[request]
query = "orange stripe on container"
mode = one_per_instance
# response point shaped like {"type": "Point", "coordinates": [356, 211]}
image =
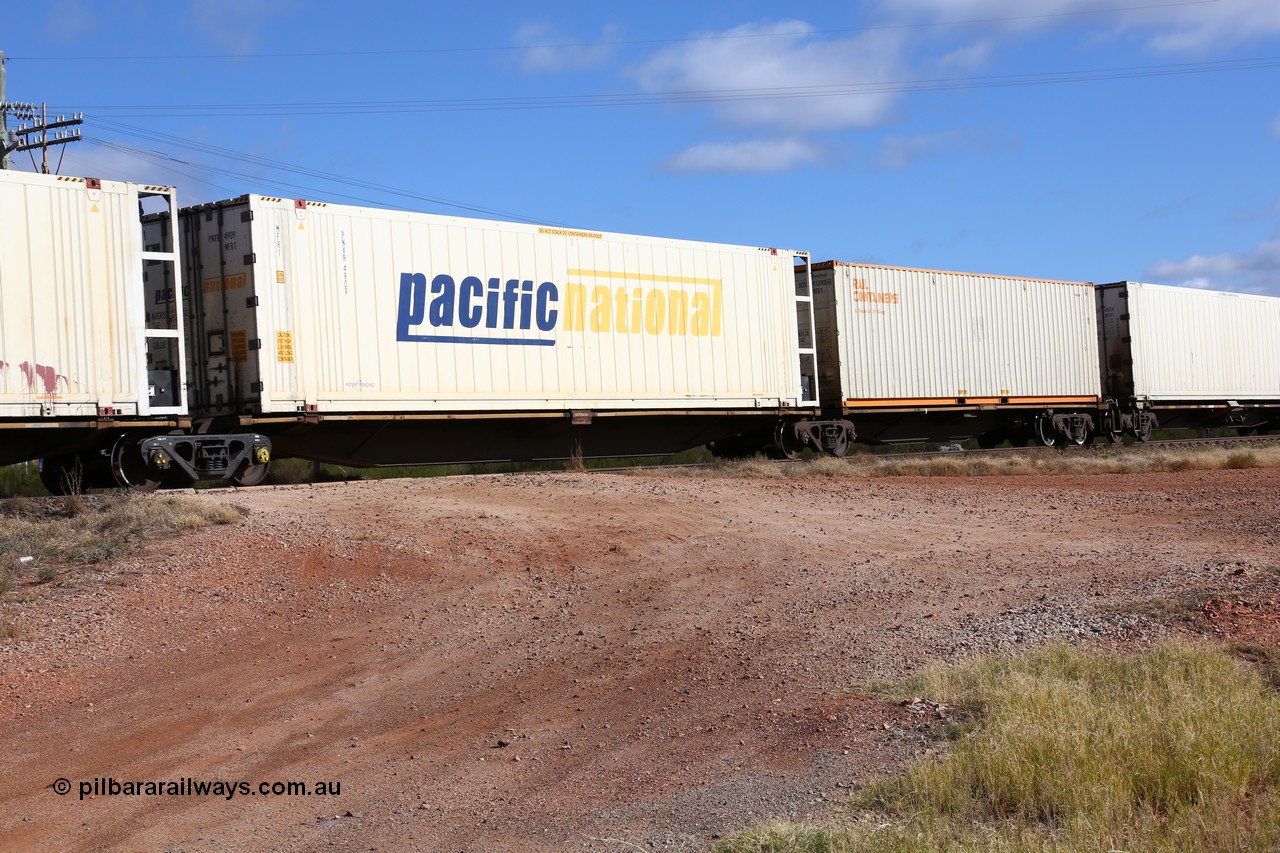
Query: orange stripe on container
{"type": "Point", "coordinates": [969, 401]}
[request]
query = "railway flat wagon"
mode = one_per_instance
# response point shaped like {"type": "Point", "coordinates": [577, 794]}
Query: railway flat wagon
{"type": "Point", "coordinates": [91, 363]}
{"type": "Point", "coordinates": [924, 355]}
{"type": "Point", "coordinates": [1178, 357]}
{"type": "Point", "coordinates": [376, 337]}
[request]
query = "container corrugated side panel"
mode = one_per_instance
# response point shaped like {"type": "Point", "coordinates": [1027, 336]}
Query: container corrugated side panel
{"type": "Point", "coordinates": [70, 297]}
{"type": "Point", "coordinates": [1201, 345]}
{"type": "Point", "coordinates": [636, 322]}
{"type": "Point", "coordinates": [923, 335]}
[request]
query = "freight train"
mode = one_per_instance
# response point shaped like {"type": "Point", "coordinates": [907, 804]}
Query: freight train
{"type": "Point", "coordinates": [144, 344]}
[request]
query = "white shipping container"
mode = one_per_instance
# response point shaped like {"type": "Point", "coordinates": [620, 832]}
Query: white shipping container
{"type": "Point", "coordinates": [309, 307]}
{"type": "Point", "coordinates": [889, 336]}
{"type": "Point", "coordinates": [78, 338]}
{"type": "Point", "coordinates": [1169, 344]}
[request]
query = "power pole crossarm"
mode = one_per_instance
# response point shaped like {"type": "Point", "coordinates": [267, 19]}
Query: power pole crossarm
{"type": "Point", "coordinates": [35, 135]}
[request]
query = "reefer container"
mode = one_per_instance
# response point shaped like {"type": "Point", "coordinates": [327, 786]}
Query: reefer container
{"type": "Point", "coordinates": [906, 342]}
{"type": "Point", "coordinates": [77, 336]}
{"type": "Point", "coordinates": [332, 313]}
{"type": "Point", "coordinates": [1198, 355]}
{"type": "Point", "coordinates": [92, 361]}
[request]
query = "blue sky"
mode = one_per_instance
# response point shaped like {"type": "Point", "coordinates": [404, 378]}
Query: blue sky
{"type": "Point", "coordinates": [1091, 140]}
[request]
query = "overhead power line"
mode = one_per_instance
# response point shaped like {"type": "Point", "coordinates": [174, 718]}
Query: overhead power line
{"type": "Point", "coordinates": [624, 99]}
{"type": "Point", "coordinates": [1078, 13]}
{"type": "Point", "coordinates": [288, 168]}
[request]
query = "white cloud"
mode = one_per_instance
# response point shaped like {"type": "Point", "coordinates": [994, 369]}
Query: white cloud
{"type": "Point", "coordinates": [773, 63]}
{"type": "Point", "coordinates": [99, 160]}
{"type": "Point", "coordinates": [897, 152]}
{"type": "Point", "coordinates": [1186, 27]}
{"type": "Point", "coordinates": [752, 156]}
{"type": "Point", "coordinates": [235, 25]}
{"type": "Point", "coordinates": [970, 56]}
{"type": "Point", "coordinates": [547, 51]}
{"type": "Point", "coordinates": [1254, 271]}
{"type": "Point", "coordinates": [68, 20]}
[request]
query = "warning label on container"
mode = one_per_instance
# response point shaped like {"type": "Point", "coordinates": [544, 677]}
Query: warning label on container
{"type": "Point", "coordinates": [284, 347]}
{"type": "Point", "coordinates": [568, 232]}
{"type": "Point", "coordinates": [239, 345]}
{"type": "Point", "coordinates": [235, 281]}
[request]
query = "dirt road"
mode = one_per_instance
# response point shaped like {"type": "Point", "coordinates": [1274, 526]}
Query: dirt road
{"type": "Point", "coordinates": [563, 662]}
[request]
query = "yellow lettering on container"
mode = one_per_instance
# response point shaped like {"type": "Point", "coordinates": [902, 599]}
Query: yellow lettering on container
{"type": "Point", "coordinates": [653, 309]}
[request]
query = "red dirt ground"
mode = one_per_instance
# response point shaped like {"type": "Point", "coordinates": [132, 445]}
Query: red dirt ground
{"type": "Point", "coordinates": [571, 662]}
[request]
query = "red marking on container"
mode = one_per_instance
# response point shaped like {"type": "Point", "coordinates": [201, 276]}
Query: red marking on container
{"type": "Point", "coordinates": [47, 374]}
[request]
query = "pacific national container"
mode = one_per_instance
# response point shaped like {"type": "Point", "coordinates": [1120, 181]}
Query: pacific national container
{"type": "Point", "coordinates": [90, 316]}
{"type": "Point", "coordinates": [890, 337]}
{"type": "Point", "coordinates": [302, 307]}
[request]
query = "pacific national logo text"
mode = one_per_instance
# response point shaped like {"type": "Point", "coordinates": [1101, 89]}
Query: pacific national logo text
{"type": "Point", "coordinates": [515, 312]}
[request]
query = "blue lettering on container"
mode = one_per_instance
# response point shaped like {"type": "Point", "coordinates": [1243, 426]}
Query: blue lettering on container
{"type": "Point", "coordinates": [444, 304]}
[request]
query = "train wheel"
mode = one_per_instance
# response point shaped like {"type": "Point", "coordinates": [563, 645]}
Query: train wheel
{"type": "Point", "coordinates": [841, 447]}
{"type": "Point", "coordinates": [62, 475]}
{"type": "Point", "coordinates": [250, 474]}
{"type": "Point", "coordinates": [1044, 430]}
{"type": "Point", "coordinates": [1244, 432]}
{"type": "Point", "coordinates": [1143, 431]}
{"type": "Point", "coordinates": [786, 444]}
{"type": "Point", "coordinates": [130, 469]}
{"type": "Point", "coordinates": [988, 440]}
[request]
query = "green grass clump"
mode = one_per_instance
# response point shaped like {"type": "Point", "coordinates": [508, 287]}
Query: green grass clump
{"type": "Point", "coordinates": [1173, 749]}
{"type": "Point", "coordinates": [18, 480]}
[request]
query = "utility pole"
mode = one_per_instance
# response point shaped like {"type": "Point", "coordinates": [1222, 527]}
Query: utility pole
{"type": "Point", "coordinates": [4, 120]}
{"type": "Point", "coordinates": [20, 139]}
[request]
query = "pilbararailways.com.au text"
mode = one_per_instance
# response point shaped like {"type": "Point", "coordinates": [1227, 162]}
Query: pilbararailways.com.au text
{"type": "Point", "coordinates": [187, 787]}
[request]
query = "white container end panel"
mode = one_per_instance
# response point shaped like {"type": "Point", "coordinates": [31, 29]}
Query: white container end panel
{"type": "Point", "coordinates": [921, 337]}
{"type": "Point", "coordinates": [1201, 345]}
{"type": "Point", "coordinates": [364, 311]}
{"type": "Point", "coordinates": [71, 298]}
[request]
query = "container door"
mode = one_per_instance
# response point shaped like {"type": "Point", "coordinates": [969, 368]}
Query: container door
{"type": "Point", "coordinates": [164, 357]}
{"type": "Point", "coordinates": [223, 333]}
{"type": "Point", "coordinates": [805, 332]}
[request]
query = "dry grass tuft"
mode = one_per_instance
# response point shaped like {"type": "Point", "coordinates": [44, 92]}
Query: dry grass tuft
{"type": "Point", "coordinates": [14, 630]}
{"type": "Point", "coordinates": [1241, 459]}
{"type": "Point", "coordinates": [575, 462]}
{"type": "Point", "coordinates": [14, 506]}
{"type": "Point", "coordinates": [1041, 461]}
{"type": "Point", "coordinates": [1173, 749]}
{"type": "Point", "coordinates": [99, 527]}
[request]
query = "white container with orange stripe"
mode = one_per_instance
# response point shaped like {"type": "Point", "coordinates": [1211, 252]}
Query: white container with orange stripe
{"type": "Point", "coordinates": [900, 342]}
